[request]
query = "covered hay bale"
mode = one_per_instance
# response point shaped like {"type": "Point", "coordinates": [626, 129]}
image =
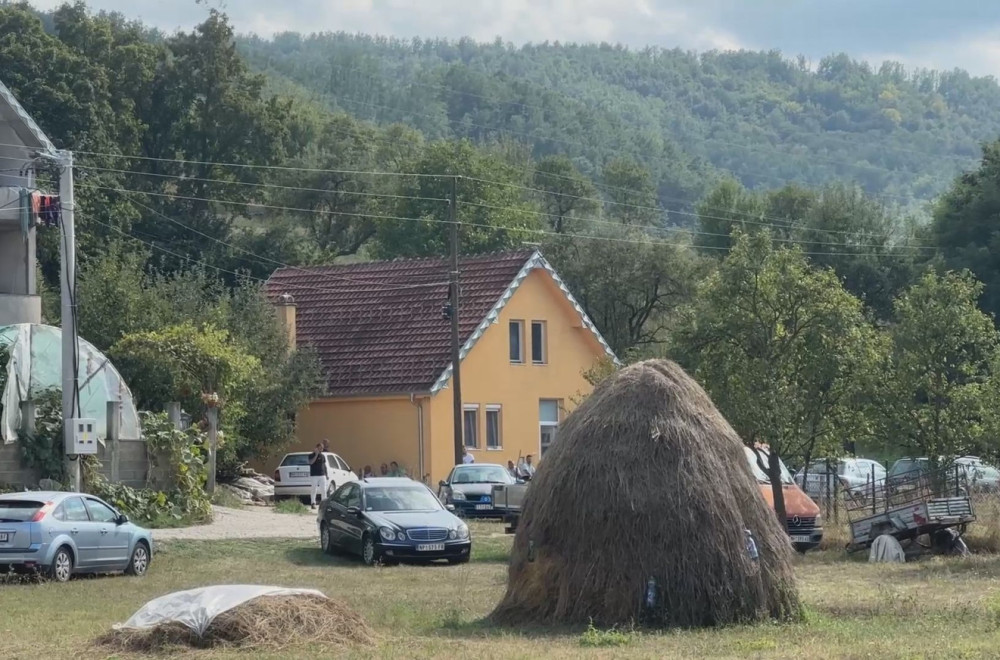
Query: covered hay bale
{"type": "Point", "coordinates": [647, 479]}
{"type": "Point", "coordinates": [268, 622]}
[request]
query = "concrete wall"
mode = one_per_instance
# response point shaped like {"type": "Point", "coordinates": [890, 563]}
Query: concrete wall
{"type": "Point", "coordinates": [20, 309]}
{"type": "Point", "coordinates": [17, 262]}
{"type": "Point", "coordinates": [132, 466]}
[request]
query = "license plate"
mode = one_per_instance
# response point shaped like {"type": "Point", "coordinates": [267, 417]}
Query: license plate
{"type": "Point", "coordinates": [483, 507]}
{"type": "Point", "coordinates": [4, 537]}
{"type": "Point", "coordinates": [430, 547]}
{"type": "Point", "coordinates": [800, 539]}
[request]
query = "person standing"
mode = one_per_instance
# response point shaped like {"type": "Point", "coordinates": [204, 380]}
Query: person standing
{"type": "Point", "coordinates": [395, 470]}
{"type": "Point", "coordinates": [511, 469]}
{"type": "Point", "coordinates": [529, 467]}
{"type": "Point", "coordinates": [367, 472]}
{"type": "Point", "coordinates": [383, 470]}
{"type": "Point", "coordinates": [467, 458]}
{"type": "Point", "coordinates": [317, 473]}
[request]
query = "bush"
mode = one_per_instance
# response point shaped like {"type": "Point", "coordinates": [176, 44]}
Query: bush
{"type": "Point", "coordinates": [178, 466]}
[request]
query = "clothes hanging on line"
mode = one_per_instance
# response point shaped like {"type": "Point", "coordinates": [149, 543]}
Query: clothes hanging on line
{"type": "Point", "coordinates": [49, 210]}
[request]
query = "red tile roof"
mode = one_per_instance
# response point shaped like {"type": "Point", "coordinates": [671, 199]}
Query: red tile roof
{"type": "Point", "coordinates": [378, 327]}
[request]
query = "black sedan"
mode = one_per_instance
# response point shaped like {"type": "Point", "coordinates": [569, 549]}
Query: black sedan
{"type": "Point", "coordinates": [387, 520]}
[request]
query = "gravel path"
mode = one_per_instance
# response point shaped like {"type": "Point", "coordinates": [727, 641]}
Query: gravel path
{"type": "Point", "coordinates": [250, 523]}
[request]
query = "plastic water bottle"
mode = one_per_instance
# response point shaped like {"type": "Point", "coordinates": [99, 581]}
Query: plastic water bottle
{"type": "Point", "coordinates": [752, 546]}
{"type": "Point", "coordinates": [650, 593]}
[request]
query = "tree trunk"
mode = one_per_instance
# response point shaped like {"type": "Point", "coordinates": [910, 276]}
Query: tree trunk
{"type": "Point", "coordinates": [777, 490]}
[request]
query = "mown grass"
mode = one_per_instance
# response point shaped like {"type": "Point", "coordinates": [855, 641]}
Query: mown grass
{"type": "Point", "coordinates": [934, 608]}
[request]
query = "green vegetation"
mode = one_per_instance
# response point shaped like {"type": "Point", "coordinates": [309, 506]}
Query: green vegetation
{"type": "Point", "coordinates": [293, 506]}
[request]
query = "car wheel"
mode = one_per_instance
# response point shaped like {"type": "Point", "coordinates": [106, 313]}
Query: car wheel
{"type": "Point", "coordinates": [139, 563]}
{"type": "Point", "coordinates": [325, 539]}
{"type": "Point", "coordinates": [369, 552]}
{"type": "Point", "coordinates": [62, 565]}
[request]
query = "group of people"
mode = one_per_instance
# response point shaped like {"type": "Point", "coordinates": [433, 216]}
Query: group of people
{"type": "Point", "coordinates": [524, 470]}
{"type": "Point", "coordinates": [318, 471]}
{"type": "Point", "coordinates": [390, 470]}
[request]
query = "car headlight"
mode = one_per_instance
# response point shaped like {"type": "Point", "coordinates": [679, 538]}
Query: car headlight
{"type": "Point", "coordinates": [387, 533]}
{"type": "Point", "coordinates": [463, 532]}
{"type": "Point", "coordinates": [453, 534]}
{"type": "Point", "coordinates": [819, 520]}
{"type": "Point", "coordinates": [457, 495]}
{"type": "Point", "coordinates": [400, 536]}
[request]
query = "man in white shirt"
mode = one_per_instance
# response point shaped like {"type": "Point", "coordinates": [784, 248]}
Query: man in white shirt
{"type": "Point", "coordinates": [467, 457]}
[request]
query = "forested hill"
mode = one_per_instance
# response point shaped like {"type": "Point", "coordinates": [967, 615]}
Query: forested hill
{"type": "Point", "coordinates": [765, 118]}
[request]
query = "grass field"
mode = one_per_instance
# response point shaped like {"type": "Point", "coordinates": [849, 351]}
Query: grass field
{"type": "Point", "coordinates": [935, 608]}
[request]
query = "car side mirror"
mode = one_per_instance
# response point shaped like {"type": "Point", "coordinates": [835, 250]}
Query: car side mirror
{"type": "Point", "coordinates": [443, 483]}
{"type": "Point", "coordinates": [353, 511]}
{"type": "Point", "coordinates": [450, 507]}
{"type": "Point", "coordinates": [122, 519]}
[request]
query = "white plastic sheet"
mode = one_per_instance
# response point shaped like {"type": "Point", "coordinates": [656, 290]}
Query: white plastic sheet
{"type": "Point", "coordinates": [197, 608]}
{"type": "Point", "coordinates": [35, 365]}
{"type": "Point", "coordinates": [886, 550]}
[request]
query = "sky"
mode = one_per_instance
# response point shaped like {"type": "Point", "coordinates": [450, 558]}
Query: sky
{"type": "Point", "coordinates": [935, 34]}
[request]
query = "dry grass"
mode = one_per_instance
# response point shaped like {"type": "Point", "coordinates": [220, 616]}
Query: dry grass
{"type": "Point", "coordinates": [269, 622]}
{"type": "Point", "coordinates": [935, 608]}
{"type": "Point", "coordinates": [631, 493]}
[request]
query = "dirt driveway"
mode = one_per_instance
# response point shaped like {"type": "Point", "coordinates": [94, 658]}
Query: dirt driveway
{"type": "Point", "coordinates": [249, 523]}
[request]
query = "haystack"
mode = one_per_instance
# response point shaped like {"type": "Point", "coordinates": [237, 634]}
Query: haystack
{"type": "Point", "coordinates": [268, 622]}
{"type": "Point", "coordinates": [647, 480]}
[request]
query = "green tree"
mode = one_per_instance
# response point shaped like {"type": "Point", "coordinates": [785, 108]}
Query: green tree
{"type": "Point", "coordinates": [937, 391]}
{"type": "Point", "coordinates": [566, 191]}
{"type": "Point", "coordinates": [783, 351]}
{"type": "Point", "coordinates": [631, 193]}
{"type": "Point", "coordinates": [965, 227]}
{"type": "Point", "coordinates": [628, 283]}
{"type": "Point", "coordinates": [492, 213]}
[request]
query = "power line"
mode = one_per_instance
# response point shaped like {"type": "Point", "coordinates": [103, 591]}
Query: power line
{"type": "Point", "coordinates": [526, 230]}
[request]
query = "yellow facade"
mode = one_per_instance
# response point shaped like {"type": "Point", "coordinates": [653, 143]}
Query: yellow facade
{"type": "Point", "coordinates": [371, 431]}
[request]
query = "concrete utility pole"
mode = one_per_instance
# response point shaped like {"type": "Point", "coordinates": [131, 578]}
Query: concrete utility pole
{"type": "Point", "coordinates": [456, 375]}
{"type": "Point", "coordinates": [70, 366]}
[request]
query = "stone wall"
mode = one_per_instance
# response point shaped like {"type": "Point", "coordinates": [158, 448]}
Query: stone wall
{"type": "Point", "coordinates": [132, 465]}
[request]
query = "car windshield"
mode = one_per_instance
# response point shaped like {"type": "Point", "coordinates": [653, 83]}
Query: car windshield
{"type": "Point", "coordinates": [786, 478]}
{"type": "Point", "coordinates": [400, 498]}
{"type": "Point", "coordinates": [295, 459]}
{"type": "Point", "coordinates": [18, 510]}
{"type": "Point", "coordinates": [481, 474]}
{"type": "Point", "coordinates": [904, 465]}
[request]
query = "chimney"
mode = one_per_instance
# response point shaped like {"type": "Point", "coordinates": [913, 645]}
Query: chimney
{"type": "Point", "coordinates": [286, 314]}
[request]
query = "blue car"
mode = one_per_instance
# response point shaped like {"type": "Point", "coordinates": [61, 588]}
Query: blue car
{"type": "Point", "coordinates": [62, 534]}
{"type": "Point", "coordinates": [387, 520]}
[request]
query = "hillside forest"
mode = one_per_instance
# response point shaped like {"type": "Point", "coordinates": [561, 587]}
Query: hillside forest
{"type": "Point", "coordinates": [814, 241]}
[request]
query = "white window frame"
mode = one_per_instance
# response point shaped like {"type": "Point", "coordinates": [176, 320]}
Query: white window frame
{"type": "Point", "coordinates": [473, 408]}
{"type": "Point", "coordinates": [548, 425]}
{"type": "Point", "coordinates": [520, 341]}
{"type": "Point", "coordinates": [498, 409]}
{"type": "Point", "coordinates": [544, 342]}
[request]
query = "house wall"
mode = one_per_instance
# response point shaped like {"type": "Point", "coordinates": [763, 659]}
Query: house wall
{"type": "Point", "coordinates": [489, 378]}
{"type": "Point", "coordinates": [363, 431]}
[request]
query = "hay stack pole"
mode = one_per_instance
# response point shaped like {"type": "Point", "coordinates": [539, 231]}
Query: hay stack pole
{"type": "Point", "coordinates": [647, 480]}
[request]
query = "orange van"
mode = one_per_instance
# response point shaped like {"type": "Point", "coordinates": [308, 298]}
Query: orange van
{"type": "Point", "coordinates": [804, 524]}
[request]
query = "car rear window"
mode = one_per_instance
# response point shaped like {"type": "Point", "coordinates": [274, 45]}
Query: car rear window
{"type": "Point", "coordinates": [18, 510]}
{"type": "Point", "coordinates": [295, 459]}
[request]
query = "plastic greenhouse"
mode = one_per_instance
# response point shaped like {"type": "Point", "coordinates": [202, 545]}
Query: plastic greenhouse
{"type": "Point", "coordinates": [35, 366]}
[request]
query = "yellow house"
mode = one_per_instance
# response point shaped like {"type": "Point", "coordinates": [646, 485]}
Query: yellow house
{"type": "Point", "coordinates": [382, 335]}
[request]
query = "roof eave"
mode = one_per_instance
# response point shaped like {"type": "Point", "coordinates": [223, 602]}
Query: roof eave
{"type": "Point", "coordinates": [41, 141]}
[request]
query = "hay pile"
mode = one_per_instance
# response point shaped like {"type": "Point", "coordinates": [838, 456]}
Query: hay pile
{"type": "Point", "coordinates": [270, 622]}
{"type": "Point", "coordinates": [647, 479]}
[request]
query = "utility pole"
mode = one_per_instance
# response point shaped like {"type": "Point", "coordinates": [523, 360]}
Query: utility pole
{"type": "Point", "coordinates": [456, 376]}
{"type": "Point", "coordinates": [70, 366]}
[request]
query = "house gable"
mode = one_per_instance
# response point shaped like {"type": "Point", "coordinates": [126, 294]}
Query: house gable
{"type": "Point", "coordinates": [535, 263]}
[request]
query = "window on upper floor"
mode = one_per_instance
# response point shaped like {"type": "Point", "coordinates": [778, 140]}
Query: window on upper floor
{"type": "Point", "coordinates": [517, 342]}
{"type": "Point", "coordinates": [470, 426]}
{"type": "Point", "coordinates": [539, 352]}
{"type": "Point", "coordinates": [493, 428]}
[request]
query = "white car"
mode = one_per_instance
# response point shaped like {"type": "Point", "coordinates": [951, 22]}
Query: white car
{"type": "Point", "coordinates": [850, 472]}
{"type": "Point", "coordinates": [292, 479]}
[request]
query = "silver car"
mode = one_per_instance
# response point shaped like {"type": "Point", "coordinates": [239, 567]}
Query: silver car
{"type": "Point", "coordinates": [61, 534]}
{"type": "Point", "coordinates": [849, 472]}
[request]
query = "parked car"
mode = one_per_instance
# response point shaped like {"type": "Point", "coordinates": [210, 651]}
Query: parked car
{"type": "Point", "coordinates": [62, 534]}
{"type": "Point", "coordinates": [804, 523]}
{"type": "Point", "coordinates": [819, 480]}
{"type": "Point", "coordinates": [392, 519]}
{"type": "Point", "coordinates": [469, 488]}
{"type": "Point", "coordinates": [291, 478]}
{"type": "Point", "coordinates": [906, 472]}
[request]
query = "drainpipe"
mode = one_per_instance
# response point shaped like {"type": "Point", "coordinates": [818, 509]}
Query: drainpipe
{"type": "Point", "coordinates": [420, 434]}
